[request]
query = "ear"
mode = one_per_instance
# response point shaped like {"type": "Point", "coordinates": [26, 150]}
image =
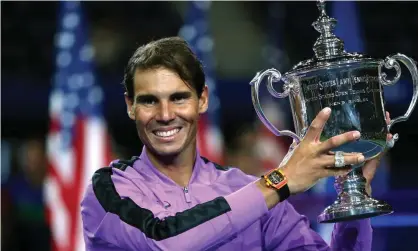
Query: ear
{"type": "Point", "coordinates": [129, 106]}
{"type": "Point", "coordinates": [204, 100]}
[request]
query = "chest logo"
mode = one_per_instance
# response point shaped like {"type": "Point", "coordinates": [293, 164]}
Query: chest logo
{"type": "Point", "coordinates": [166, 204]}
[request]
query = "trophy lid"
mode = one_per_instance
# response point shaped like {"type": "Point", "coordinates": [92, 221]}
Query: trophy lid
{"type": "Point", "coordinates": [328, 48]}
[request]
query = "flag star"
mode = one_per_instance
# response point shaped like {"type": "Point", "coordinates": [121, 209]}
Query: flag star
{"type": "Point", "coordinates": [67, 119]}
{"type": "Point", "coordinates": [95, 95]}
{"type": "Point", "coordinates": [72, 101]}
{"type": "Point", "coordinates": [63, 59]}
{"type": "Point", "coordinates": [65, 40]}
{"type": "Point", "coordinates": [88, 79]}
{"type": "Point", "coordinates": [76, 81]}
{"type": "Point", "coordinates": [56, 99]}
{"type": "Point", "coordinates": [71, 20]}
{"type": "Point", "coordinates": [188, 32]}
{"type": "Point", "coordinates": [205, 44]}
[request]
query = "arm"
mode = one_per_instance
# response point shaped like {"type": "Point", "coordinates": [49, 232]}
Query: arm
{"type": "Point", "coordinates": [285, 229]}
{"type": "Point", "coordinates": [116, 212]}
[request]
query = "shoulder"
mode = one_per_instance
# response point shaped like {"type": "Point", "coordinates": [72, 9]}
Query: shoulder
{"type": "Point", "coordinates": [107, 180]}
{"type": "Point", "coordinates": [233, 176]}
{"type": "Point", "coordinates": [105, 188]}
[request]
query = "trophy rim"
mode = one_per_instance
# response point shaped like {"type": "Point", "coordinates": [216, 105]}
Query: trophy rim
{"type": "Point", "coordinates": [315, 64]}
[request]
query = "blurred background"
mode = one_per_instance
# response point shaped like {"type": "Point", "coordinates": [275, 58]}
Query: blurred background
{"type": "Point", "coordinates": [63, 112]}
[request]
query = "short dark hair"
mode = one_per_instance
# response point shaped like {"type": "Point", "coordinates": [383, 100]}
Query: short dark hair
{"type": "Point", "coordinates": [172, 53]}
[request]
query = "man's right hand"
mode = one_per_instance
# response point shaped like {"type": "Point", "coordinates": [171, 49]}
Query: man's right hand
{"type": "Point", "coordinates": [311, 159]}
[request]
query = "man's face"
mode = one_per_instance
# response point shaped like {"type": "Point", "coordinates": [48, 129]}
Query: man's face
{"type": "Point", "coordinates": [166, 111]}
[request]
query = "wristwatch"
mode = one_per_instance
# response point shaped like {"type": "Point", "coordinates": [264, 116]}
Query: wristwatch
{"type": "Point", "coordinates": [277, 179]}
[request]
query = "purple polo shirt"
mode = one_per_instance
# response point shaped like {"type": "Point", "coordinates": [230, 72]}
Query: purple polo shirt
{"type": "Point", "coordinates": [132, 206]}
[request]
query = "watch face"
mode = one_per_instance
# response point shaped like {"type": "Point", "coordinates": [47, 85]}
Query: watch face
{"type": "Point", "coordinates": [276, 177]}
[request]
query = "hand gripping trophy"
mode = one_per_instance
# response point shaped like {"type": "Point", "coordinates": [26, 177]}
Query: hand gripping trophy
{"type": "Point", "coordinates": [351, 84]}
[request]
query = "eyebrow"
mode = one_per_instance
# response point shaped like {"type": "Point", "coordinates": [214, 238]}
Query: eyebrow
{"type": "Point", "coordinates": [180, 94]}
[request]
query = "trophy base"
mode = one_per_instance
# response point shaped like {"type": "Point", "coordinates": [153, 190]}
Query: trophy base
{"type": "Point", "coordinates": [367, 208]}
{"type": "Point", "coordinates": [353, 202]}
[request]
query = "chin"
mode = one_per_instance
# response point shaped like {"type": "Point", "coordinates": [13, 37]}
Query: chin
{"type": "Point", "coordinates": [167, 151]}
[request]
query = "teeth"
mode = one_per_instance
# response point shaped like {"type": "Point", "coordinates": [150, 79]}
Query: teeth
{"type": "Point", "coordinates": [168, 133]}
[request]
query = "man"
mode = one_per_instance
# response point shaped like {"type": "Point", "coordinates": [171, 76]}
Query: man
{"type": "Point", "coordinates": [171, 198]}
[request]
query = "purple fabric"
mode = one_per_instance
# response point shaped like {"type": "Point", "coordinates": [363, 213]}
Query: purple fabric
{"type": "Point", "coordinates": [248, 226]}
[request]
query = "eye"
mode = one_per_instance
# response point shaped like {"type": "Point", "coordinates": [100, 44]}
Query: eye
{"type": "Point", "coordinates": [146, 100]}
{"type": "Point", "coordinates": [180, 97]}
{"type": "Point", "coordinates": [149, 102]}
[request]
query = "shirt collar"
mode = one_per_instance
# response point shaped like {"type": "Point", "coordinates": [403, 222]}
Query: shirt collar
{"type": "Point", "coordinates": [146, 166]}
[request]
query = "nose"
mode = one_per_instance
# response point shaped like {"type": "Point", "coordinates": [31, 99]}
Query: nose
{"type": "Point", "coordinates": [165, 113]}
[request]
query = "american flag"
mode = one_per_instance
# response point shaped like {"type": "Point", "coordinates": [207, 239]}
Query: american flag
{"type": "Point", "coordinates": [77, 142]}
{"type": "Point", "coordinates": [196, 31]}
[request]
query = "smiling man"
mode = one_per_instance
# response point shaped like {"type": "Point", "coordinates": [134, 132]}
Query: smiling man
{"type": "Point", "coordinates": [172, 198]}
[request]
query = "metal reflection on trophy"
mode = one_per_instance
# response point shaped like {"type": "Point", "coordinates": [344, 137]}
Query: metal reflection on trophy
{"type": "Point", "coordinates": [351, 84]}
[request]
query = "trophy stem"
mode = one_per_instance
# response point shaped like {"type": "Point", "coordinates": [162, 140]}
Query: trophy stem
{"type": "Point", "coordinates": [353, 202]}
{"type": "Point", "coordinates": [353, 184]}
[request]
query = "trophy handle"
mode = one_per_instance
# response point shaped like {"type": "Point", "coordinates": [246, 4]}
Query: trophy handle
{"type": "Point", "coordinates": [392, 62]}
{"type": "Point", "coordinates": [273, 76]}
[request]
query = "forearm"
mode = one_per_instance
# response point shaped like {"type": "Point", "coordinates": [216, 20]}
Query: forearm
{"type": "Point", "coordinates": [145, 225]}
{"type": "Point", "coordinates": [247, 205]}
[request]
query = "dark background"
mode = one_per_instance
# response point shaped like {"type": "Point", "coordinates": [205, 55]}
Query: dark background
{"type": "Point", "coordinates": [118, 28]}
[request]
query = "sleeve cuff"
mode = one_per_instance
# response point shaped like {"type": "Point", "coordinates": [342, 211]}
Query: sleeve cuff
{"type": "Point", "coordinates": [247, 205]}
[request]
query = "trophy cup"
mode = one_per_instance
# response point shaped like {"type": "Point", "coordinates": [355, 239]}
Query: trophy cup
{"type": "Point", "coordinates": [351, 84]}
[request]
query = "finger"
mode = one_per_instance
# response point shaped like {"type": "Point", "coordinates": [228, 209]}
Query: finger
{"type": "Point", "coordinates": [387, 117]}
{"type": "Point", "coordinates": [386, 149]}
{"type": "Point", "coordinates": [338, 140]}
{"type": "Point", "coordinates": [389, 137]}
{"type": "Point", "coordinates": [369, 169]}
{"type": "Point", "coordinates": [328, 172]}
{"type": "Point", "coordinates": [354, 159]}
{"type": "Point", "coordinates": [317, 124]}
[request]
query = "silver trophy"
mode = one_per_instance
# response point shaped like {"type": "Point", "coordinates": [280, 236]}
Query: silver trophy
{"type": "Point", "coordinates": [351, 84]}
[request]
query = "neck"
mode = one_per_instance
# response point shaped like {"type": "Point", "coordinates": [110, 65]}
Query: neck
{"type": "Point", "coordinates": [177, 167]}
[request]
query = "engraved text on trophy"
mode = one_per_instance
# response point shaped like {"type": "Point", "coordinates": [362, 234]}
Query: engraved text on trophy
{"type": "Point", "coordinates": [338, 91]}
{"type": "Point", "coordinates": [355, 97]}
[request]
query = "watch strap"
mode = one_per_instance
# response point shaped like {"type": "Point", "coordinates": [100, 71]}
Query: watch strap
{"type": "Point", "coordinates": [283, 192]}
